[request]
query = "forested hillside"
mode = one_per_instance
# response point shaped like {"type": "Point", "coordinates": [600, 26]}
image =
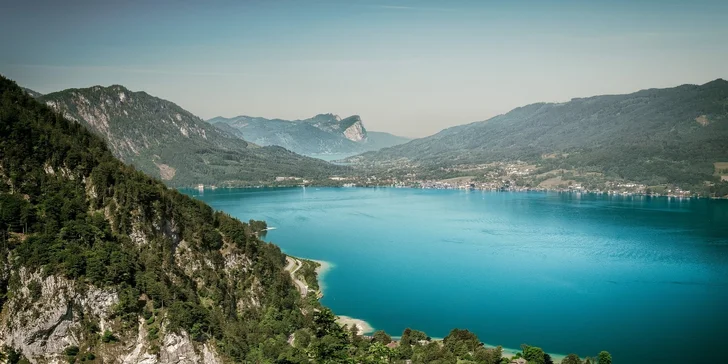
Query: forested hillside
{"type": "Point", "coordinates": [165, 141]}
{"type": "Point", "coordinates": [655, 136]}
{"type": "Point", "coordinates": [101, 263]}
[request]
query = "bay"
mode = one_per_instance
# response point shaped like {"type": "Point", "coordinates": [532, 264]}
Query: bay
{"type": "Point", "coordinates": [645, 278]}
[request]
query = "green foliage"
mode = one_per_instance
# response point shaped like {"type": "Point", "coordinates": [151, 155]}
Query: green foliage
{"type": "Point", "coordinates": [571, 359]}
{"type": "Point", "coordinates": [71, 352]}
{"type": "Point", "coordinates": [13, 356]}
{"type": "Point", "coordinates": [604, 358]}
{"type": "Point", "coordinates": [534, 354]}
{"type": "Point", "coordinates": [35, 289]}
{"type": "Point", "coordinates": [108, 337]}
{"type": "Point", "coordinates": [307, 272]}
{"type": "Point", "coordinates": [381, 337]}
{"type": "Point", "coordinates": [461, 342]}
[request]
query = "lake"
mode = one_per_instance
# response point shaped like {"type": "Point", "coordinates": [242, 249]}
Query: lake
{"type": "Point", "coordinates": [644, 278]}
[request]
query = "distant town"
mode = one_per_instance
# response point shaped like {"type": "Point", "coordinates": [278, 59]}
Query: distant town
{"type": "Point", "coordinates": [506, 177]}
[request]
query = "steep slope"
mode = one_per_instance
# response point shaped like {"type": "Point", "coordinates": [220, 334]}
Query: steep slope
{"type": "Point", "coordinates": [321, 134]}
{"type": "Point", "coordinates": [167, 142]}
{"type": "Point", "coordinates": [100, 261]}
{"type": "Point", "coordinates": [652, 136]}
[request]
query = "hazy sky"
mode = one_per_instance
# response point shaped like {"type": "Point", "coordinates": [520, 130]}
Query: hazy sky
{"type": "Point", "coordinates": [407, 67]}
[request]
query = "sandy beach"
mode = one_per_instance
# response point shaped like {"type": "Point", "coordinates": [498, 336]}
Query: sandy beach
{"type": "Point", "coordinates": [509, 352]}
{"type": "Point", "coordinates": [323, 268]}
{"type": "Point", "coordinates": [321, 271]}
{"type": "Point", "coordinates": [363, 326]}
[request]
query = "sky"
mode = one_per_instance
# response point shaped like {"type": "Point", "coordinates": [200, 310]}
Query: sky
{"type": "Point", "coordinates": [410, 68]}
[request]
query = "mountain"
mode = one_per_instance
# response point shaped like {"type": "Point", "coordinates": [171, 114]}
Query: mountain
{"type": "Point", "coordinates": [321, 134]}
{"type": "Point", "coordinates": [101, 263]}
{"type": "Point", "coordinates": [32, 93]}
{"type": "Point", "coordinates": [170, 143]}
{"type": "Point", "coordinates": [654, 136]}
{"type": "Point", "coordinates": [379, 140]}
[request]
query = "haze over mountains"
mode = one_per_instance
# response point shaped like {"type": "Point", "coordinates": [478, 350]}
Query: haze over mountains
{"type": "Point", "coordinates": [320, 135]}
{"type": "Point", "coordinates": [654, 136]}
{"type": "Point", "coordinates": [168, 142]}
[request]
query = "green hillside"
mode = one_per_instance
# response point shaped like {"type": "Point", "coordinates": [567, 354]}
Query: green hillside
{"type": "Point", "coordinates": [655, 136]}
{"type": "Point", "coordinates": [168, 142]}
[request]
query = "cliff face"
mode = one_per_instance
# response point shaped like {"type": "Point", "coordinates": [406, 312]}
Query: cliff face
{"type": "Point", "coordinates": [356, 132]}
{"type": "Point", "coordinates": [47, 315]}
{"type": "Point", "coordinates": [351, 128]}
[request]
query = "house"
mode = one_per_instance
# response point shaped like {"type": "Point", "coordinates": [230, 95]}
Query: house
{"type": "Point", "coordinates": [519, 361]}
{"type": "Point", "coordinates": [393, 345]}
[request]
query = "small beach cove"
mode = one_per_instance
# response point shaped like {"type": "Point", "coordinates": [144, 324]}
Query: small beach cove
{"type": "Point", "coordinates": [514, 268]}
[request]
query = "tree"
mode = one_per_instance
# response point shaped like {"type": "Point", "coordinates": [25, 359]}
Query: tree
{"type": "Point", "coordinates": [534, 354]}
{"type": "Point", "coordinates": [461, 342]}
{"type": "Point", "coordinates": [571, 359]}
{"type": "Point", "coordinates": [382, 337]}
{"type": "Point", "coordinates": [605, 358]}
{"type": "Point", "coordinates": [412, 337]}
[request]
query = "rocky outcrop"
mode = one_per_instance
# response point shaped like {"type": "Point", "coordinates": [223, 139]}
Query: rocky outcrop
{"type": "Point", "coordinates": [45, 315]}
{"type": "Point", "coordinates": [356, 132]}
{"type": "Point", "coordinates": [179, 349]}
{"type": "Point", "coordinates": [41, 318]}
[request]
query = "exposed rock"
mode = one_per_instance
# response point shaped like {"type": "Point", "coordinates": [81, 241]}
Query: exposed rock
{"type": "Point", "coordinates": [42, 324]}
{"type": "Point", "coordinates": [180, 349]}
{"type": "Point", "coordinates": [702, 120]}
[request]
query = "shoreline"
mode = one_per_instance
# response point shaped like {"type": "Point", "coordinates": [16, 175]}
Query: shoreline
{"type": "Point", "coordinates": [323, 268]}
{"type": "Point", "coordinates": [321, 271]}
{"type": "Point", "coordinates": [362, 326]}
{"type": "Point", "coordinates": [525, 189]}
{"type": "Point", "coordinates": [365, 327]}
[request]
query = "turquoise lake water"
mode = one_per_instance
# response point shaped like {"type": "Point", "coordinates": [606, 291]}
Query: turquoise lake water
{"type": "Point", "coordinates": [644, 278]}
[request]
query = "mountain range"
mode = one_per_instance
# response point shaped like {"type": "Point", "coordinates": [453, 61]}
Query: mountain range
{"type": "Point", "coordinates": [320, 135]}
{"type": "Point", "coordinates": [654, 136]}
{"type": "Point", "coordinates": [167, 142]}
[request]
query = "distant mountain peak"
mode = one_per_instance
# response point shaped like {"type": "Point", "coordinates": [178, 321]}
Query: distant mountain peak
{"type": "Point", "coordinates": [718, 82]}
{"type": "Point", "coordinates": [325, 133]}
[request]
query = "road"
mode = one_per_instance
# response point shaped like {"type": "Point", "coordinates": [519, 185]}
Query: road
{"type": "Point", "coordinates": [292, 267]}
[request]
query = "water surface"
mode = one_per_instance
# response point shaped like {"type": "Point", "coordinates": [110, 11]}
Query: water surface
{"type": "Point", "coordinates": [644, 278]}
